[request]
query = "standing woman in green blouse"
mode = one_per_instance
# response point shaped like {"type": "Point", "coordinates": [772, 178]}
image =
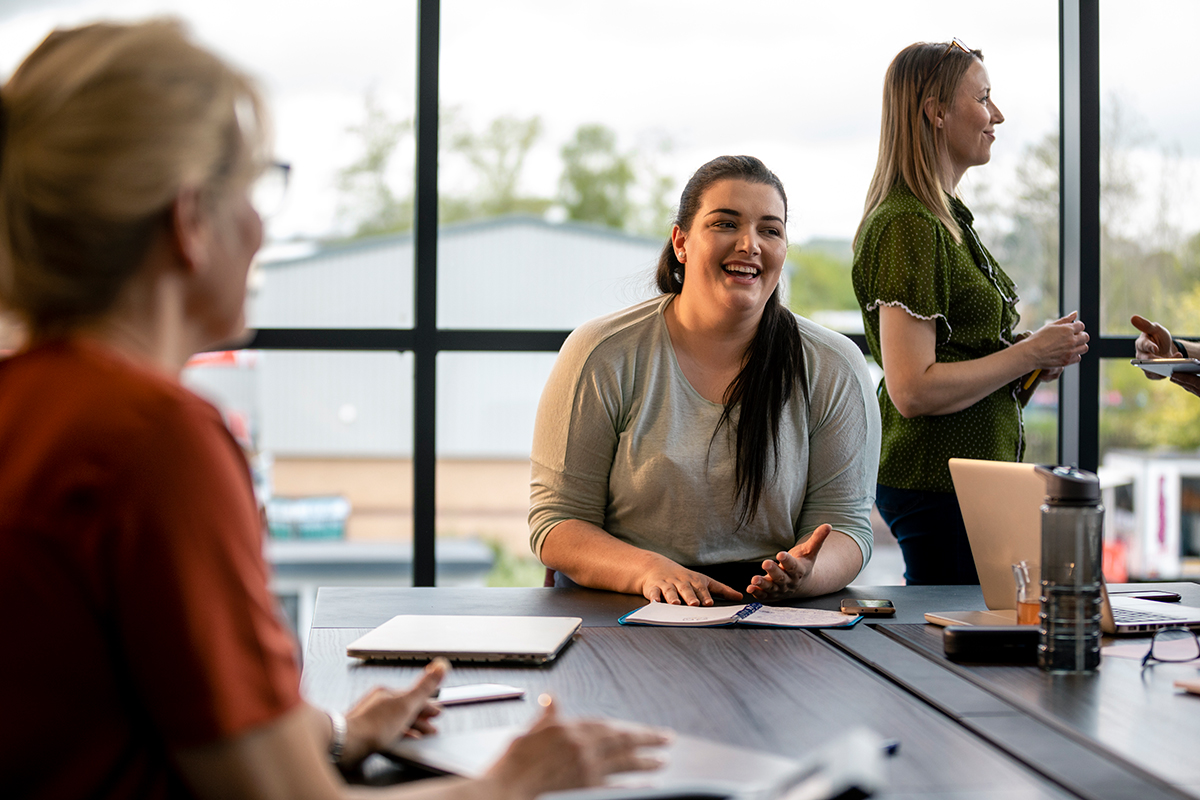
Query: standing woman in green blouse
{"type": "Point", "coordinates": [939, 312]}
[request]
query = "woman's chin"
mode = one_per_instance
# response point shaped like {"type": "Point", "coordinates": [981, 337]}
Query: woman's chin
{"type": "Point", "coordinates": [237, 338]}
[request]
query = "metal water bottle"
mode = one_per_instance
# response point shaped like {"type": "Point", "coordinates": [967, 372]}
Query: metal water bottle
{"type": "Point", "coordinates": [1072, 525]}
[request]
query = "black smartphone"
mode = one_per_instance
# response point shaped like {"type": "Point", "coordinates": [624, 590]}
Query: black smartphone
{"type": "Point", "coordinates": [874, 608]}
{"type": "Point", "coordinates": [1150, 594]}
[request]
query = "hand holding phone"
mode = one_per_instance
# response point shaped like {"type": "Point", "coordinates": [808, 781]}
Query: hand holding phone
{"type": "Point", "coordinates": [873, 608]}
{"type": "Point", "coordinates": [1167, 367]}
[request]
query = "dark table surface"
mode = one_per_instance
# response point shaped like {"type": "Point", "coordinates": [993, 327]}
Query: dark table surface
{"type": "Point", "coordinates": [964, 732]}
{"type": "Point", "coordinates": [1132, 715]}
{"type": "Point", "coordinates": [357, 607]}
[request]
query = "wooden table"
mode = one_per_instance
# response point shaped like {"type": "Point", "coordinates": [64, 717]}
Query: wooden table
{"type": "Point", "coordinates": [964, 731]}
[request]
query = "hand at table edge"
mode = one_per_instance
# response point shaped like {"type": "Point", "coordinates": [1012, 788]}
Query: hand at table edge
{"type": "Point", "coordinates": [672, 583]}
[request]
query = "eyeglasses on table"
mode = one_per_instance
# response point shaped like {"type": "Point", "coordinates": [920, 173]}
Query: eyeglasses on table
{"type": "Point", "coordinates": [1173, 645]}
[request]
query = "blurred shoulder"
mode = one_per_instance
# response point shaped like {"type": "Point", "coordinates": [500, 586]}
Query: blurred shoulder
{"type": "Point", "coordinates": [620, 331]}
{"type": "Point", "coordinates": [823, 340]}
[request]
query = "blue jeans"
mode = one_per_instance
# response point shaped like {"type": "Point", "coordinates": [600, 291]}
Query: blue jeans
{"type": "Point", "coordinates": [932, 537]}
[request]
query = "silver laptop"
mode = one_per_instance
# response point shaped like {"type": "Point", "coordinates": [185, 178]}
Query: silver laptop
{"type": "Point", "coordinates": [1001, 508]}
{"type": "Point", "coordinates": [520, 640]}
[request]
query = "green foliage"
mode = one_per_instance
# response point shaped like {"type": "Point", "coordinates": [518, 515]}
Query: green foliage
{"type": "Point", "coordinates": [1140, 413]}
{"type": "Point", "coordinates": [1026, 243]}
{"type": "Point", "coordinates": [598, 182]}
{"type": "Point", "coordinates": [366, 192]}
{"type": "Point", "coordinates": [820, 278]}
{"type": "Point", "coordinates": [497, 157]}
{"type": "Point", "coordinates": [596, 178]}
{"type": "Point", "coordinates": [510, 569]}
{"type": "Point", "coordinates": [1041, 434]}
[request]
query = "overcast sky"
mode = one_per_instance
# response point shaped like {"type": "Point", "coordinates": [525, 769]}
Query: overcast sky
{"type": "Point", "coordinates": [796, 83]}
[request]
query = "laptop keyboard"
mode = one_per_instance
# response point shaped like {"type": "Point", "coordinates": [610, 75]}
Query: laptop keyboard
{"type": "Point", "coordinates": [1123, 616]}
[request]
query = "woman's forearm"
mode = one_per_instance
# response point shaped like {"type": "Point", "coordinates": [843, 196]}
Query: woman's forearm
{"type": "Point", "coordinates": [919, 385]}
{"type": "Point", "coordinates": [594, 558]}
{"type": "Point", "coordinates": [944, 388]}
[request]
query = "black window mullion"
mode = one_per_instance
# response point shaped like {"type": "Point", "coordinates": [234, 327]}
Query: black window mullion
{"type": "Point", "coordinates": [372, 339]}
{"type": "Point", "coordinates": [425, 224]}
{"type": "Point", "coordinates": [1079, 223]}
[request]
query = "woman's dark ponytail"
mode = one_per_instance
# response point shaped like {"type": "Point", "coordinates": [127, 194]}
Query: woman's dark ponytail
{"type": "Point", "coordinates": [669, 274]}
{"type": "Point", "coordinates": [774, 365]}
{"type": "Point", "coordinates": [774, 360]}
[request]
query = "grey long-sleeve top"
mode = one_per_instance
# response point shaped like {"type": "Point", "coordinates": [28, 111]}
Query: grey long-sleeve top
{"type": "Point", "coordinates": [622, 441]}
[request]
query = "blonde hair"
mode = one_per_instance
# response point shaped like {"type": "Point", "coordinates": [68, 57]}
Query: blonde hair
{"type": "Point", "coordinates": [909, 144]}
{"type": "Point", "coordinates": [104, 125]}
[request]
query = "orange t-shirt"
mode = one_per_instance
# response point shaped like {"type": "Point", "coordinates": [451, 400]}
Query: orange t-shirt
{"type": "Point", "coordinates": [133, 589]}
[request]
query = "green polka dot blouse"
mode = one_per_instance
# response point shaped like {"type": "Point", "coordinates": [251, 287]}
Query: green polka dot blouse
{"type": "Point", "coordinates": [906, 258]}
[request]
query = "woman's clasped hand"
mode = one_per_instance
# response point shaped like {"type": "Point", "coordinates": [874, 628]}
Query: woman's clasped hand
{"type": "Point", "coordinates": [1058, 344]}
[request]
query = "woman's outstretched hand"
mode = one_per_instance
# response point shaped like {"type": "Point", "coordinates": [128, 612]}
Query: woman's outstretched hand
{"type": "Point", "coordinates": [784, 577]}
{"type": "Point", "coordinates": [673, 583]}
{"type": "Point", "coordinates": [1153, 341]}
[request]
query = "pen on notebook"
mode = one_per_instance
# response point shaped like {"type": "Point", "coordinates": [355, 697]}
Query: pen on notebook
{"type": "Point", "coordinates": [1033, 376]}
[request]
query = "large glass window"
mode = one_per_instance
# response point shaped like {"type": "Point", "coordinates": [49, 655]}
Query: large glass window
{"type": "Point", "coordinates": [1149, 265]}
{"type": "Point", "coordinates": [1150, 161]}
{"type": "Point", "coordinates": [566, 133]}
{"type": "Point", "coordinates": [562, 160]}
{"type": "Point", "coordinates": [486, 408]}
{"type": "Point", "coordinates": [603, 129]}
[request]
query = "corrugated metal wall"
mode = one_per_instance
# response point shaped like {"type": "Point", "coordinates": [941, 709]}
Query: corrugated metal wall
{"type": "Point", "coordinates": [509, 273]}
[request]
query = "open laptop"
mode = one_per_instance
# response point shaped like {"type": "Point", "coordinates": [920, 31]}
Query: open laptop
{"type": "Point", "coordinates": [1001, 507]}
{"type": "Point", "coordinates": [520, 640]}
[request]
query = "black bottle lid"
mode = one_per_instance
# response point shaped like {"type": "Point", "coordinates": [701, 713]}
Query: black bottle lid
{"type": "Point", "coordinates": [1070, 485]}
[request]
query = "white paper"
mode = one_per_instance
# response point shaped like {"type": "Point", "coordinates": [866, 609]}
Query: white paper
{"type": "Point", "coordinates": [777, 616]}
{"type": "Point", "coordinates": [667, 614]}
{"type": "Point", "coordinates": [798, 617]}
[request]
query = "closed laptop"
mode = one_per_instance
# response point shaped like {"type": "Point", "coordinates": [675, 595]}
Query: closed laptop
{"type": "Point", "coordinates": [522, 640]}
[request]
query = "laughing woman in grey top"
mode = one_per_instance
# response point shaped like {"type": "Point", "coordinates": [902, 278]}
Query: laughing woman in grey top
{"type": "Point", "coordinates": [709, 439]}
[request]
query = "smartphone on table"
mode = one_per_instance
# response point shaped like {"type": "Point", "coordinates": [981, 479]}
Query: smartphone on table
{"type": "Point", "coordinates": [873, 608]}
{"type": "Point", "coordinates": [476, 693]}
{"type": "Point", "coordinates": [1150, 594]}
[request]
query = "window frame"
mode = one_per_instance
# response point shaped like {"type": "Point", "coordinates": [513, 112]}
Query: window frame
{"type": "Point", "coordinates": [1079, 270]}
